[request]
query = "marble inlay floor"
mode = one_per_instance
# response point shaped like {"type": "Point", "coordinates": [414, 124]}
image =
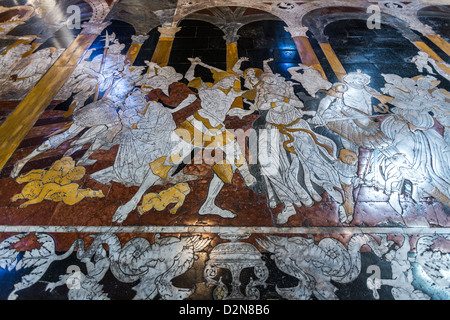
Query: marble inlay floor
{"type": "Point", "coordinates": [254, 151]}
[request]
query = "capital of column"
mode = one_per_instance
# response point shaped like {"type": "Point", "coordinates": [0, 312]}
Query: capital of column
{"type": "Point", "coordinates": [168, 32]}
{"type": "Point", "coordinates": [230, 30]}
{"type": "Point", "coordinates": [139, 39]}
{"type": "Point", "coordinates": [298, 31]}
{"type": "Point", "coordinates": [231, 38]}
{"type": "Point", "coordinates": [94, 27]}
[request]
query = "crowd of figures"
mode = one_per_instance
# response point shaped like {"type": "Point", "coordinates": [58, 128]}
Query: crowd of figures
{"type": "Point", "coordinates": [21, 69]}
{"type": "Point", "coordinates": [296, 163]}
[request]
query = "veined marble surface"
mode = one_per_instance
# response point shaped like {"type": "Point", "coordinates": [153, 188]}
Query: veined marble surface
{"type": "Point", "coordinates": [250, 151]}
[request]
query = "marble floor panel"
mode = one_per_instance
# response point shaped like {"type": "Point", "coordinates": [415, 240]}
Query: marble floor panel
{"type": "Point", "coordinates": [260, 151]}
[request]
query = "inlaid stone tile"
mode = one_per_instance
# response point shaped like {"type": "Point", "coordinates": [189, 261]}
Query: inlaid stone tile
{"type": "Point", "coordinates": [264, 151]}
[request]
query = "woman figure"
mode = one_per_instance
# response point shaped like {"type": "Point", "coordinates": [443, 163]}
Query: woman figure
{"type": "Point", "coordinates": [293, 158]}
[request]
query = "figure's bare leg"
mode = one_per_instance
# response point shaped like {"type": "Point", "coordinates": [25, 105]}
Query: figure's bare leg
{"type": "Point", "coordinates": [209, 206]}
{"type": "Point", "coordinates": [178, 204]}
{"type": "Point", "coordinates": [122, 212]}
{"type": "Point", "coordinates": [349, 202]}
{"type": "Point", "coordinates": [270, 193]}
{"type": "Point", "coordinates": [71, 151]}
{"type": "Point", "coordinates": [95, 145]}
{"type": "Point", "coordinates": [18, 196]}
{"type": "Point", "coordinates": [216, 184]}
{"type": "Point", "coordinates": [52, 143]}
{"type": "Point", "coordinates": [288, 211]}
{"type": "Point", "coordinates": [394, 201]}
{"type": "Point", "coordinates": [18, 166]}
{"type": "Point", "coordinates": [84, 160]}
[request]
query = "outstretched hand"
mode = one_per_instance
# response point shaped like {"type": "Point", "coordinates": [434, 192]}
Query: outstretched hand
{"type": "Point", "coordinates": [195, 60]}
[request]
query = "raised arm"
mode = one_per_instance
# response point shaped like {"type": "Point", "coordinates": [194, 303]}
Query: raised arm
{"type": "Point", "coordinates": [237, 66]}
{"type": "Point", "coordinates": [293, 70]}
{"type": "Point", "coordinates": [266, 67]}
{"type": "Point", "coordinates": [207, 66]}
{"type": "Point", "coordinates": [186, 102]}
{"type": "Point", "coordinates": [190, 74]}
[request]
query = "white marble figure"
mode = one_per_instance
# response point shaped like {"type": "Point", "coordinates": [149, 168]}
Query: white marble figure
{"type": "Point", "coordinates": [81, 84]}
{"type": "Point", "coordinates": [158, 77]}
{"type": "Point", "coordinates": [424, 61]}
{"type": "Point", "coordinates": [419, 100]}
{"type": "Point", "coordinates": [147, 128]}
{"type": "Point", "coordinates": [310, 79]}
{"type": "Point", "coordinates": [93, 76]}
{"type": "Point", "coordinates": [418, 153]}
{"type": "Point", "coordinates": [347, 111]}
{"type": "Point", "coordinates": [253, 79]}
{"type": "Point", "coordinates": [207, 126]}
{"type": "Point", "coordinates": [9, 59]}
{"type": "Point", "coordinates": [252, 76]}
{"type": "Point", "coordinates": [24, 73]}
{"type": "Point", "coordinates": [293, 158]}
{"type": "Point", "coordinates": [100, 118]}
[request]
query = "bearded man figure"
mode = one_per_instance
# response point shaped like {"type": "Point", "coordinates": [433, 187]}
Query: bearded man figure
{"type": "Point", "coordinates": [204, 131]}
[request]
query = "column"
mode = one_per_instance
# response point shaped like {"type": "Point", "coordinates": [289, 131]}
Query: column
{"type": "Point", "coordinates": [164, 47]}
{"type": "Point", "coordinates": [305, 49]}
{"type": "Point", "coordinates": [231, 37]}
{"type": "Point", "coordinates": [136, 46]}
{"type": "Point", "coordinates": [425, 48]}
{"type": "Point", "coordinates": [440, 42]}
{"type": "Point", "coordinates": [428, 32]}
{"type": "Point", "coordinates": [23, 118]}
{"type": "Point", "coordinates": [232, 55]}
{"type": "Point", "coordinates": [316, 29]}
{"type": "Point", "coordinates": [409, 15]}
{"type": "Point", "coordinates": [332, 58]}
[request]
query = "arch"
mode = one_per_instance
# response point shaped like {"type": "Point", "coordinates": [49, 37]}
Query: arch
{"type": "Point", "coordinates": [365, 51]}
{"type": "Point", "coordinates": [190, 7]}
{"type": "Point", "coordinates": [198, 39]}
{"type": "Point", "coordinates": [230, 19]}
{"type": "Point", "coordinates": [139, 15]}
{"type": "Point", "coordinates": [438, 18]}
{"type": "Point", "coordinates": [261, 40]}
{"type": "Point", "coordinates": [316, 21]}
{"type": "Point", "coordinates": [307, 8]}
{"type": "Point", "coordinates": [243, 15]}
{"type": "Point", "coordinates": [441, 11]}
